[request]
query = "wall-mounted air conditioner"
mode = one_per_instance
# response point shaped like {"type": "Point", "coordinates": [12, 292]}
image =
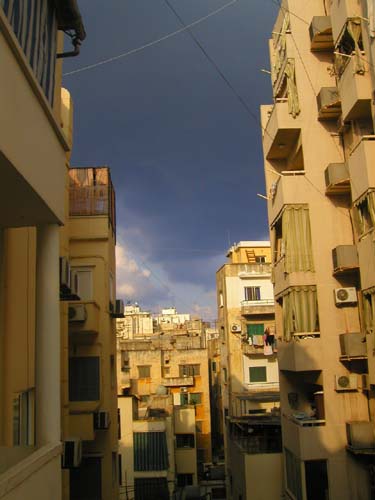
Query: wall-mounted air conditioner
{"type": "Point", "coordinates": [346, 382]}
{"type": "Point", "coordinates": [360, 435]}
{"type": "Point", "coordinates": [345, 296]}
{"type": "Point", "coordinates": [102, 420]}
{"type": "Point", "coordinates": [236, 328]}
{"type": "Point", "coordinates": [118, 311]}
{"type": "Point", "coordinates": [72, 453]}
{"type": "Point", "coordinates": [77, 312]}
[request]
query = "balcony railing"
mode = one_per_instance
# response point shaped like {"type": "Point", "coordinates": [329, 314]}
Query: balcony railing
{"type": "Point", "coordinates": [248, 270]}
{"type": "Point", "coordinates": [177, 381]}
{"type": "Point", "coordinates": [262, 306]}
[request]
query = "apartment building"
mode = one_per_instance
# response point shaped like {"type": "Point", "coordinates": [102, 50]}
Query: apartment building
{"type": "Point", "coordinates": [33, 147]}
{"type": "Point", "coordinates": [135, 323]}
{"type": "Point", "coordinates": [175, 366]}
{"type": "Point", "coordinates": [318, 139]}
{"type": "Point", "coordinates": [249, 372]}
{"type": "Point", "coordinates": [88, 310]}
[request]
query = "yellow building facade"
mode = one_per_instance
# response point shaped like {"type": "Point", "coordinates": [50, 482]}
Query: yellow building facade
{"type": "Point", "coordinates": [317, 139]}
{"type": "Point", "coordinates": [33, 149]}
{"type": "Point", "coordinates": [249, 372]}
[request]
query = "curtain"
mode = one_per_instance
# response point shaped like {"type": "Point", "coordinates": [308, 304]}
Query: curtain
{"type": "Point", "coordinates": [371, 206]}
{"type": "Point", "coordinates": [280, 49]}
{"type": "Point", "coordinates": [368, 313]}
{"type": "Point", "coordinates": [300, 311]}
{"type": "Point", "coordinates": [371, 16]}
{"type": "Point", "coordinates": [297, 239]}
{"type": "Point", "coordinates": [355, 30]}
{"type": "Point", "coordinates": [293, 102]}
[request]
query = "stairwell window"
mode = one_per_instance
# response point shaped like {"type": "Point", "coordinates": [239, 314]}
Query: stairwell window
{"type": "Point", "coordinates": [252, 293]}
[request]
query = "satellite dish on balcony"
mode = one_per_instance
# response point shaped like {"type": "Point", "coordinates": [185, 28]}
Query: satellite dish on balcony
{"type": "Point", "coordinates": [161, 390]}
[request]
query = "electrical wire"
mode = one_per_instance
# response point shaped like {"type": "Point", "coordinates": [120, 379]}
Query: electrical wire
{"type": "Point", "coordinates": [150, 44]}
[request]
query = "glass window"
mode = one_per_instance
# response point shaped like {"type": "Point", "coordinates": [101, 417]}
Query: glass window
{"type": "Point", "coordinates": [258, 374]}
{"type": "Point", "coordinates": [252, 293]}
{"type": "Point", "coordinates": [144, 371]}
{"type": "Point", "coordinates": [23, 419]}
{"type": "Point", "coordinates": [84, 378]}
{"type": "Point", "coordinates": [184, 398]}
{"type": "Point", "coordinates": [195, 398]}
{"type": "Point", "coordinates": [260, 259]}
{"type": "Point", "coordinates": [213, 366]}
{"type": "Point", "coordinates": [225, 374]}
{"type": "Point", "coordinates": [189, 370]}
{"type": "Point", "coordinates": [185, 440]}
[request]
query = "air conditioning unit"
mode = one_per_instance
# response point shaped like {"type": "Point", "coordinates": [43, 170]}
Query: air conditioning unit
{"type": "Point", "coordinates": [118, 310]}
{"type": "Point", "coordinates": [346, 382]}
{"type": "Point", "coordinates": [101, 420]}
{"type": "Point", "coordinates": [236, 328]}
{"type": "Point", "coordinates": [77, 312]}
{"type": "Point", "coordinates": [345, 296]}
{"type": "Point", "coordinates": [184, 389]}
{"type": "Point", "coordinates": [360, 435]}
{"type": "Point", "coordinates": [64, 275]}
{"type": "Point", "coordinates": [72, 453]}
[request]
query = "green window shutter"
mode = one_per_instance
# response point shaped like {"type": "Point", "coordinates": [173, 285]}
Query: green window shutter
{"type": "Point", "coordinates": [258, 374]}
{"type": "Point", "coordinates": [150, 451]}
{"type": "Point", "coordinates": [257, 329]}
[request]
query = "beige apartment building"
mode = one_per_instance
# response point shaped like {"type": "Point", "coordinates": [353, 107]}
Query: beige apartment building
{"type": "Point", "coordinates": [33, 147]}
{"type": "Point", "coordinates": [318, 144]}
{"type": "Point", "coordinates": [174, 366]}
{"type": "Point", "coordinates": [135, 323]}
{"type": "Point", "coordinates": [249, 372]}
{"type": "Point", "coordinates": [88, 337]}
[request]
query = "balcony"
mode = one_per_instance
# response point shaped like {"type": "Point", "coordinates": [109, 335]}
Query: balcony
{"type": "Point", "coordinates": [355, 92]}
{"type": "Point", "coordinates": [344, 259]}
{"type": "Point", "coordinates": [307, 442]}
{"type": "Point", "coordinates": [361, 169]}
{"type": "Point", "coordinates": [262, 306]}
{"type": "Point", "coordinates": [361, 437]}
{"type": "Point", "coordinates": [353, 346]}
{"type": "Point", "coordinates": [304, 353]}
{"type": "Point", "coordinates": [329, 103]}
{"type": "Point", "coordinates": [290, 188]}
{"type": "Point", "coordinates": [337, 179]}
{"type": "Point", "coordinates": [281, 132]}
{"type": "Point", "coordinates": [321, 34]}
{"type": "Point", "coordinates": [83, 321]}
{"type": "Point", "coordinates": [341, 11]}
{"type": "Point", "coordinates": [177, 381]}
{"type": "Point", "coordinates": [253, 270]}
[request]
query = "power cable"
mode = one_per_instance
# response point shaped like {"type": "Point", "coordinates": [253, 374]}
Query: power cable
{"type": "Point", "coordinates": [150, 44]}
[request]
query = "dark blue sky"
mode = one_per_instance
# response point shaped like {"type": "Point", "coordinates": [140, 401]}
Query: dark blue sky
{"type": "Point", "coordinates": [185, 155]}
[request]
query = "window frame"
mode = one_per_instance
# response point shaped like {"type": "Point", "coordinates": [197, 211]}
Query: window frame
{"type": "Point", "coordinates": [264, 370]}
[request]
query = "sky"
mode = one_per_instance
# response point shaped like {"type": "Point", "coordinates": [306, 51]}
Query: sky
{"type": "Point", "coordinates": [185, 153]}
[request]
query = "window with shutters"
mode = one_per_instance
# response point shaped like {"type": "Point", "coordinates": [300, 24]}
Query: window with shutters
{"type": "Point", "coordinates": [84, 378]}
{"type": "Point", "coordinates": [144, 371]}
{"type": "Point", "coordinates": [255, 329]}
{"type": "Point", "coordinates": [150, 451]}
{"type": "Point", "coordinates": [189, 370]}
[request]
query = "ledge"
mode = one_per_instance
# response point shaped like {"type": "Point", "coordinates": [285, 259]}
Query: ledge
{"type": "Point", "coordinates": [23, 470]}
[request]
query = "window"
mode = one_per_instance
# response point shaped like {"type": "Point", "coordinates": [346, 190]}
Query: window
{"type": "Point", "coordinates": [260, 259]}
{"type": "Point", "coordinates": [258, 374]}
{"type": "Point", "coordinates": [150, 451]}
{"type": "Point", "coordinates": [255, 329]}
{"type": "Point", "coordinates": [316, 480]}
{"type": "Point", "coordinates": [189, 370]}
{"type": "Point", "coordinates": [214, 366]}
{"type": "Point", "coordinates": [86, 480]}
{"type": "Point", "coordinates": [291, 239]}
{"type": "Point", "coordinates": [300, 311]}
{"type": "Point", "coordinates": [225, 375]}
{"type": "Point", "coordinates": [84, 282]}
{"type": "Point", "coordinates": [364, 213]}
{"type": "Point", "coordinates": [293, 474]}
{"type": "Point", "coordinates": [184, 398]}
{"type": "Point", "coordinates": [120, 469]}
{"type": "Point", "coordinates": [195, 398]}
{"type": "Point", "coordinates": [151, 487]}
{"type": "Point", "coordinates": [185, 441]}
{"type": "Point", "coordinates": [252, 293]}
{"type": "Point", "coordinates": [165, 371]}
{"type": "Point", "coordinates": [84, 378]}
{"type": "Point", "coordinates": [184, 480]}
{"type": "Point", "coordinates": [199, 426]}
{"type": "Point", "coordinates": [23, 419]}
{"type": "Point", "coordinates": [144, 371]}
{"type": "Point", "coordinates": [221, 299]}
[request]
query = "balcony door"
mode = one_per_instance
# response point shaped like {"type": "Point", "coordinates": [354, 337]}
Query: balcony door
{"type": "Point", "coordinates": [316, 480]}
